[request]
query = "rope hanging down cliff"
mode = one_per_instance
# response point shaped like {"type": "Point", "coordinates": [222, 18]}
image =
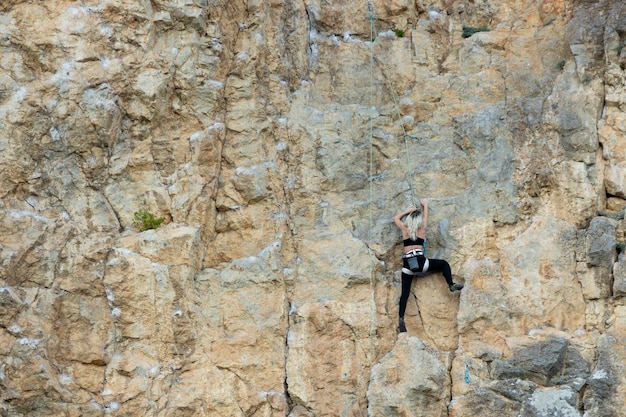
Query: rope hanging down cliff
{"type": "Point", "coordinates": [414, 200]}
{"type": "Point", "coordinates": [371, 191]}
{"type": "Point", "coordinates": [405, 135]}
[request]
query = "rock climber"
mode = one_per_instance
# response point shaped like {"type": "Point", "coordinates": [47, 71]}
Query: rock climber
{"type": "Point", "coordinates": [413, 260]}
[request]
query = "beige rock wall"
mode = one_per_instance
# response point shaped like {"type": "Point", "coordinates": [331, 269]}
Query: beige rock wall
{"type": "Point", "coordinates": [277, 139]}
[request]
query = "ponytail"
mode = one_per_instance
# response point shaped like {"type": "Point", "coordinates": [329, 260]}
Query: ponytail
{"type": "Point", "coordinates": [414, 222]}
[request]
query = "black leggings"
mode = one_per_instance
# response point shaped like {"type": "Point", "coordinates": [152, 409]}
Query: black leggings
{"type": "Point", "coordinates": [435, 265]}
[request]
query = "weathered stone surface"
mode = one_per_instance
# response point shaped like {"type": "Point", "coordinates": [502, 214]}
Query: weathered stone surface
{"type": "Point", "coordinates": [328, 344]}
{"type": "Point", "coordinates": [408, 381]}
{"type": "Point", "coordinates": [546, 363]}
{"type": "Point", "coordinates": [619, 276]}
{"type": "Point", "coordinates": [603, 396]}
{"type": "Point", "coordinates": [277, 140]}
{"type": "Point", "coordinates": [484, 402]}
{"type": "Point", "coordinates": [559, 402]}
{"type": "Point", "coordinates": [533, 284]}
{"type": "Point", "coordinates": [514, 389]}
{"type": "Point", "coordinates": [594, 269]}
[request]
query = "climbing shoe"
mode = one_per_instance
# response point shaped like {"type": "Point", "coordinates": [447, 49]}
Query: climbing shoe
{"type": "Point", "coordinates": [401, 327]}
{"type": "Point", "coordinates": [456, 287]}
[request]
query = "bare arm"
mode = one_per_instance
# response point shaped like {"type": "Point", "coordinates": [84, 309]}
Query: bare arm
{"type": "Point", "coordinates": [398, 218]}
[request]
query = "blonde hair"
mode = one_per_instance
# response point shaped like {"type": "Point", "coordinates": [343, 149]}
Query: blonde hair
{"type": "Point", "coordinates": [414, 222]}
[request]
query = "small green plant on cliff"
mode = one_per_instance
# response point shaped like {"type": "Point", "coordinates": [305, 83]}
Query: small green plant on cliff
{"type": "Point", "coordinates": [469, 31]}
{"type": "Point", "coordinates": [620, 246]}
{"type": "Point", "coordinates": [146, 220]}
{"type": "Point", "coordinates": [399, 33]}
{"type": "Point", "coordinates": [560, 65]}
{"type": "Point", "coordinates": [619, 48]}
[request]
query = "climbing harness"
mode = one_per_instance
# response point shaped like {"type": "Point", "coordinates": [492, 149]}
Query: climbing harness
{"type": "Point", "coordinates": [417, 262]}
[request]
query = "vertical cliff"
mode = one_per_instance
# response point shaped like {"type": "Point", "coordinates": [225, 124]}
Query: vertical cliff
{"type": "Point", "coordinates": [277, 139]}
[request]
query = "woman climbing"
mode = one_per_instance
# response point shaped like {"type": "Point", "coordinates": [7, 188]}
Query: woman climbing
{"type": "Point", "coordinates": [413, 260]}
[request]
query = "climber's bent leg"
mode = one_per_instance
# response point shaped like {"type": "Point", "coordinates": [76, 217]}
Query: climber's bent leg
{"type": "Point", "coordinates": [440, 265]}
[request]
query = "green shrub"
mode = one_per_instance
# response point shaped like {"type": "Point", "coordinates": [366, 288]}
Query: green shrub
{"type": "Point", "coordinates": [399, 33]}
{"type": "Point", "coordinates": [469, 31]}
{"type": "Point", "coordinates": [560, 65]}
{"type": "Point", "coordinates": [146, 220]}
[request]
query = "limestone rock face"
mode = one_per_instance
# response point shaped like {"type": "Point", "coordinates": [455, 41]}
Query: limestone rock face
{"type": "Point", "coordinates": [277, 140]}
{"type": "Point", "coordinates": [408, 381]}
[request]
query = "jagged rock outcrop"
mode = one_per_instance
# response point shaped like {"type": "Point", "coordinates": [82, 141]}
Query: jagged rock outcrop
{"type": "Point", "coordinates": [408, 381]}
{"type": "Point", "coordinates": [277, 140]}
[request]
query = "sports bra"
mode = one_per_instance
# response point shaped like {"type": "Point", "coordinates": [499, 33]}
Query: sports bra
{"type": "Point", "coordinates": [410, 242]}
